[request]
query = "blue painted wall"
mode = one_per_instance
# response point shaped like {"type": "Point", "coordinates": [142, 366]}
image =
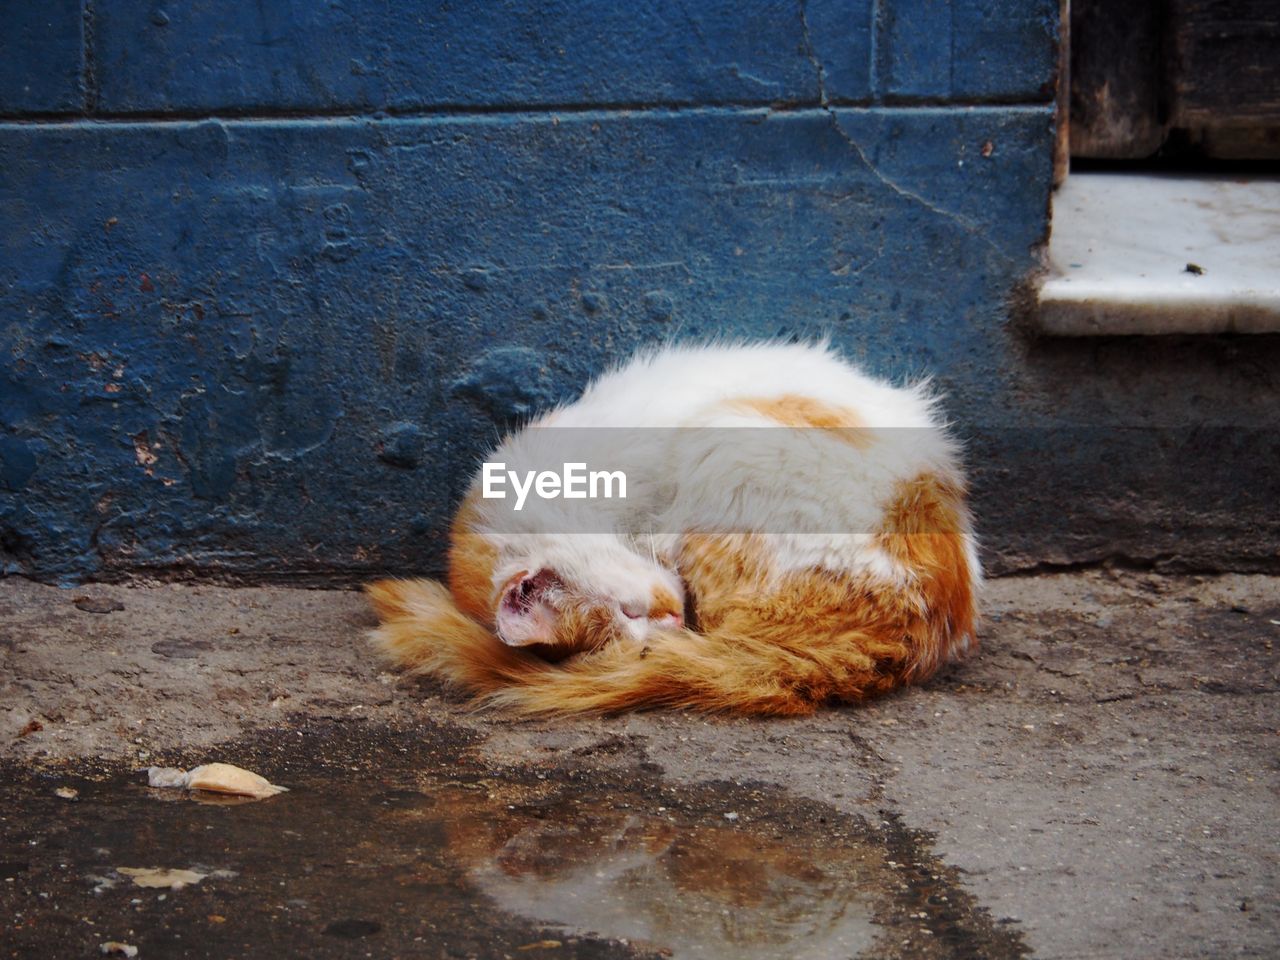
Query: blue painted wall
{"type": "Point", "coordinates": [272, 275]}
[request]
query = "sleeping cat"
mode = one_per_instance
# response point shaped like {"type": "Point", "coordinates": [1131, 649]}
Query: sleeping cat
{"type": "Point", "coordinates": [794, 534]}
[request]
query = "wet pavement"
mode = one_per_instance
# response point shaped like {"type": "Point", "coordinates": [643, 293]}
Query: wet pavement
{"type": "Point", "coordinates": [1101, 781]}
{"type": "Point", "coordinates": [394, 840]}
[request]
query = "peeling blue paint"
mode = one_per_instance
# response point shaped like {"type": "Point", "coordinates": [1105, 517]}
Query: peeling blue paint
{"type": "Point", "coordinates": [512, 384]}
{"type": "Point", "coordinates": [403, 445]}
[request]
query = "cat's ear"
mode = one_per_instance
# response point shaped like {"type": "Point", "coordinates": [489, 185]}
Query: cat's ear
{"type": "Point", "coordinates": [526, 610]}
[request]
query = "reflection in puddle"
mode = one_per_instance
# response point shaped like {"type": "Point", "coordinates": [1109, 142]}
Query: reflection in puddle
{"type": "Point", "coordinates": [400, 840]}
{"type": "Point", "coordinates": [697, 891]}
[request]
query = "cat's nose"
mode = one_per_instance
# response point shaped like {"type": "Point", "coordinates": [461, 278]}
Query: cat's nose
{"type": "Point", "coordinates": [634, 611]}
{"type": "Point", "coordinates": [670, 620]}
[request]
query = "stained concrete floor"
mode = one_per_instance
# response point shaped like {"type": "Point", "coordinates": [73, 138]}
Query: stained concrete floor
{"type": "Point", "coordinates": [1099, 781]}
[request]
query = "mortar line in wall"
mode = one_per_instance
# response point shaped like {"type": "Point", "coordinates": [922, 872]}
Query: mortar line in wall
{"type": "Point", "coordinates": [873, 64]}
{"type": "Point", "coordinates": [951, 48]}
{"type": "Point", "coordinates": [487, 115]}
{"type": "Point", "coordinates": [88, 57]}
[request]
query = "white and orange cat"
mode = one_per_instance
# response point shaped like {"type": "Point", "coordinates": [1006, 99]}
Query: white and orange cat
{"type": "Point", "coordinates": [823, 557]}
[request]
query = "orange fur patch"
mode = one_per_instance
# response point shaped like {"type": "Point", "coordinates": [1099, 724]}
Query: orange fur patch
{"type": "Point", "coordinates": [423, 629]}
{"type": "Point", "coordinates": [585, 626]}
{"type": "Point", "coordinates": [717, 568]}
{"type": "Point", "coordinates": [806, 639]}
{"type": "Point", "coordinates": [471, 561]}
{"type": "Point", "coordinates": [924, 530]}
{"type": "Point", "coordinates": [793, 410]}
{"type": "Point", "coordinates": [664, 603]}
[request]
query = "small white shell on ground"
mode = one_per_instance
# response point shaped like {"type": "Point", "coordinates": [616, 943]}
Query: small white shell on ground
{"type": "Point", "coordinates": [225, 778]}
{"type": "Point", "coordinates": [114, 948]}
{"type": "Point", "coordinates": [161, 878]}
{"type": "Point", "coordinates": [216, 778]}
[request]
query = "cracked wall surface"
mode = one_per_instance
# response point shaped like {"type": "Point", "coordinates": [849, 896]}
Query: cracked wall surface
{"type": "Point", "coordinates": [273, 276]}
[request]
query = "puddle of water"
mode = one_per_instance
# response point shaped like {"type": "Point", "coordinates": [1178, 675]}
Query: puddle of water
{"type": "Point", "coordinates": [650, 876]}
{"type": "Point", "coordinates": [398, 841]}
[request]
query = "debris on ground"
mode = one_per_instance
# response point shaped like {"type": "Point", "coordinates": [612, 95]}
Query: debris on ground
{"type": "Point", "coordinates": [157, 878]}
{"type": "Point", "coordinates": [160, 878]}
{"type": "Point", "coordinates": [98, 604]}
{"type": "Point", "coordinates": [31, 726]}
{"type": "Point", "coordinates": [114, 948]}
{"type": "Point", "coordinates": [215, 778]}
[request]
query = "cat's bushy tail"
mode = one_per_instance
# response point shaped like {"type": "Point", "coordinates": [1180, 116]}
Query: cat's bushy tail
{"type": "Point", "coordinates": [783, 671]}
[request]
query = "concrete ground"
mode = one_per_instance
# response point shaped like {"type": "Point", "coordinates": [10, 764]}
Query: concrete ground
{"type": "Point", "coordinates": [1100, 780]}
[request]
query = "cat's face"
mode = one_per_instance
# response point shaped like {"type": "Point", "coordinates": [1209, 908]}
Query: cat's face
{"type": "Point", "coordinates": [582, 593]}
